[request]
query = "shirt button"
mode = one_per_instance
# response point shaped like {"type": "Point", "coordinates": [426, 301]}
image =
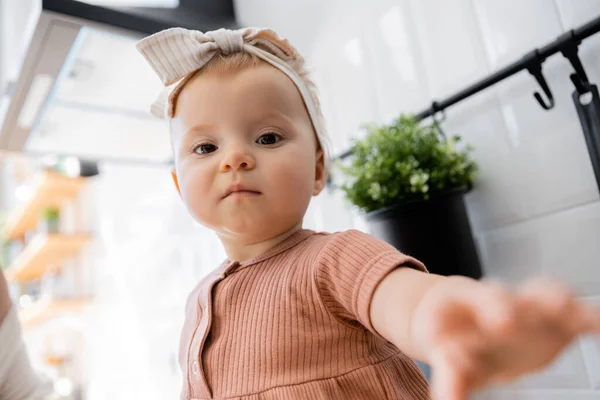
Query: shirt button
{"type": "Point", "coordinates": [195, 368]}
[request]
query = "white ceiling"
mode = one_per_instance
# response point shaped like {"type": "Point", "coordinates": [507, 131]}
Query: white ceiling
{"type": "Point", "coordinates": [100, 108]}
{"type": "Point", "coordinates": [300, 21]}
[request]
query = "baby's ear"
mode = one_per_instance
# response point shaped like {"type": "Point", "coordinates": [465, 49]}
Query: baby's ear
{"type": "Point", "coordinates": [175, 180]}
{"type": "Point", "coordinates": [320, 173]}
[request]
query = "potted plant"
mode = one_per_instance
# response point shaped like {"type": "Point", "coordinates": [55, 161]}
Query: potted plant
{"type": "Point", "coordinates": [410, 181]}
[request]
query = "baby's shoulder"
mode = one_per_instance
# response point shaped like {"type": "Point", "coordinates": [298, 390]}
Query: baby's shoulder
{"type": "Point", "coordinates": [342, 244]}
{"type": "Point", "coordinates": [347, 239]}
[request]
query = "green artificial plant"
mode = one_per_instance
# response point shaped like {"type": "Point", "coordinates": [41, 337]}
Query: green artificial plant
{"type": "Point", "coordinates": [403, 161]}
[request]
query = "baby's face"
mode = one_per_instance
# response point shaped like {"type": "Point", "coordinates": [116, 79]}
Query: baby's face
{"type": "Point", "coordinates": [249, 132]}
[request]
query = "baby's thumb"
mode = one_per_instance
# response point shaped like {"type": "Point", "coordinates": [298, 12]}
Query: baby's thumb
{"type": "Point", "coordinates": [447, 381]}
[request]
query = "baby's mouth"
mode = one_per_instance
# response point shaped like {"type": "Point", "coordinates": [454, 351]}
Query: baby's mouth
{"type": "Point", "coordinates": [243, 193]}
{"type": "Point", "coordinates": [240, 189]}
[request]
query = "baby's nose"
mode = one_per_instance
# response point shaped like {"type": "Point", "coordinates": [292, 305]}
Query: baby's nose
{"type": "Point", "coordinates": [237, 158]}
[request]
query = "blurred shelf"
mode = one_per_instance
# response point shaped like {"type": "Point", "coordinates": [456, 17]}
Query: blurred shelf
{"type": "Point", "coordinates": [51, 190]}
{"type": "Point", "coordinates": [56, 360]}
{"type": "Point", "coordinates": [45, 310]}
{"type": "Point", "coordinates": [42, 252]}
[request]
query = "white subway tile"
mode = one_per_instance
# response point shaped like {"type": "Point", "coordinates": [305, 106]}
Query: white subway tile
{"type": "Point", "coordinates": [399, 79]}
{"type": "Point", "coordinates": [341, 61]}
{"type": "Point", "coordinates": [571, 247]}
{"type": "Point", "coordinates": [590, 346]}
{"type": "Point", "coordinates": [512, 254]}
{"type": "Point", "coordinates": [484, 395]}
{"type": "Point", "coordinates": [575, 13]}
{"type": "Point", "coordinates": [589, 53]}
{"type": "Point", "coordinates": [450, 40]}
{"type": "Point", "coordinates": [511, 28]}
{"type": "Point", "coordinates": [493, 201]}
{"type": "Point", "coordinates": [563, 244]}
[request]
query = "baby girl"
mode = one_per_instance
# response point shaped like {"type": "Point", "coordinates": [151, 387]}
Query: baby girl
{"type": "Point", "coordinates": [298, 314]}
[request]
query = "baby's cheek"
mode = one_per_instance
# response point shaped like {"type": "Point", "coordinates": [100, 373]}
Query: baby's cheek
{"type": "Point", "coordinates": [293, 178]}
{"type": "Point", "coordinates": [195, 191]}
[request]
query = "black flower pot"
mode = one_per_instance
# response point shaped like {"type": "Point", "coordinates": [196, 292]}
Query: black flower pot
{"type": "Point", "coordinates": [435, 231]}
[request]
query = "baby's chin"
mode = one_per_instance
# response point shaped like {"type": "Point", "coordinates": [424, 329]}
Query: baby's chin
{"type": "Point", "coordinates": [253, 228]}
{"type": "Point", "coordinates": [250, 228]}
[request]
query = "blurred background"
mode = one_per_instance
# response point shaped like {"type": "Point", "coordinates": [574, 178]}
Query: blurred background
{"type": "Point", "coordinates": [98, 248]}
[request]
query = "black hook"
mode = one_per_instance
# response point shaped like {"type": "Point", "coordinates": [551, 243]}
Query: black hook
{"type": "Point", "coordinates": [435, 107]}
{"type": "Point", "coordinates": [580, 86]}
{"type": "Point", "coordinates": [569, 50]}
{"type": "Point", "coordinates": [534, 61]}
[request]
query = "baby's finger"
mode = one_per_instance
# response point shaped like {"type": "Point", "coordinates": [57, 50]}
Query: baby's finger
{"type": "Point", "coordinates": [554, 295]}
{"type": "Point", "coordinates": [447, 383]}
{"type": "Point", "coordinates": [586, 319]}
{"type": "Point", "coordinates": [560, 308]}
{"type": "Point", "coordinates": [550, 303]}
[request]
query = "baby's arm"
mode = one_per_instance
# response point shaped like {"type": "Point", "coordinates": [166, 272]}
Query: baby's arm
{"type": "Point", "coordinates": [394, 303]}
{"type": "Point", "coordinates": [474, 334]}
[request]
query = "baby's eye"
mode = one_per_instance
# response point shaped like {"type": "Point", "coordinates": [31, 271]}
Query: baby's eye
{"type": "Point", "coordinates": [268, 138]}
{"type": "Point", "coordinates": [205, 148]}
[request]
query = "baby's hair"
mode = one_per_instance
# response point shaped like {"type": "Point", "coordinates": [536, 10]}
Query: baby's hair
{"type": "Point", "coordinates": [224, 64]}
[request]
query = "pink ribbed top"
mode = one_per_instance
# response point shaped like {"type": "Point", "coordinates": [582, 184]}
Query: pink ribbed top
{"type": "Point", "coordinates": [294, 323]}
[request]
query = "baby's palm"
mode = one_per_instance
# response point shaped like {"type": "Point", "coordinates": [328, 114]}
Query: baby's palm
{"type": "Point", "coordinates": [487, 335]}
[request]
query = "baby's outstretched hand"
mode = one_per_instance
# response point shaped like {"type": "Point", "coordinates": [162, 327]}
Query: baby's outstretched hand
{"type": "Point", "coordinates": [486, 334]}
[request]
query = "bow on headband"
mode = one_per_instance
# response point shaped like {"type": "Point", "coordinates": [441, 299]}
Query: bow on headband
{"type": "Point", "coordinates": [175, 54]}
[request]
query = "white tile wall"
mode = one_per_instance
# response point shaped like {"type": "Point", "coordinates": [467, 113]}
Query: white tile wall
{"type": "Point", "coordinates": [575, 13]}
{"type": "Point", "coordinates": [399, 74]}
{"type": "Point", "coordinates": [343, 58]}
{"type": "Point", "coordinates": [449, 38]}
{"type": "Point", "coordinates": [562, 244]}
{"type": "Point", "coordinates": [511, 28]}
{"type": "Point", "coordinates": [482, 125]}
{"type": "Point", "coordinates": [590, 346]}
{"type": "Point", "coordinates": [591, 350]}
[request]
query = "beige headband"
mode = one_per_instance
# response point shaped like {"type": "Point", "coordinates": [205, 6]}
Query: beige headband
{"type": "Point", "coordinates": [175, 54]}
